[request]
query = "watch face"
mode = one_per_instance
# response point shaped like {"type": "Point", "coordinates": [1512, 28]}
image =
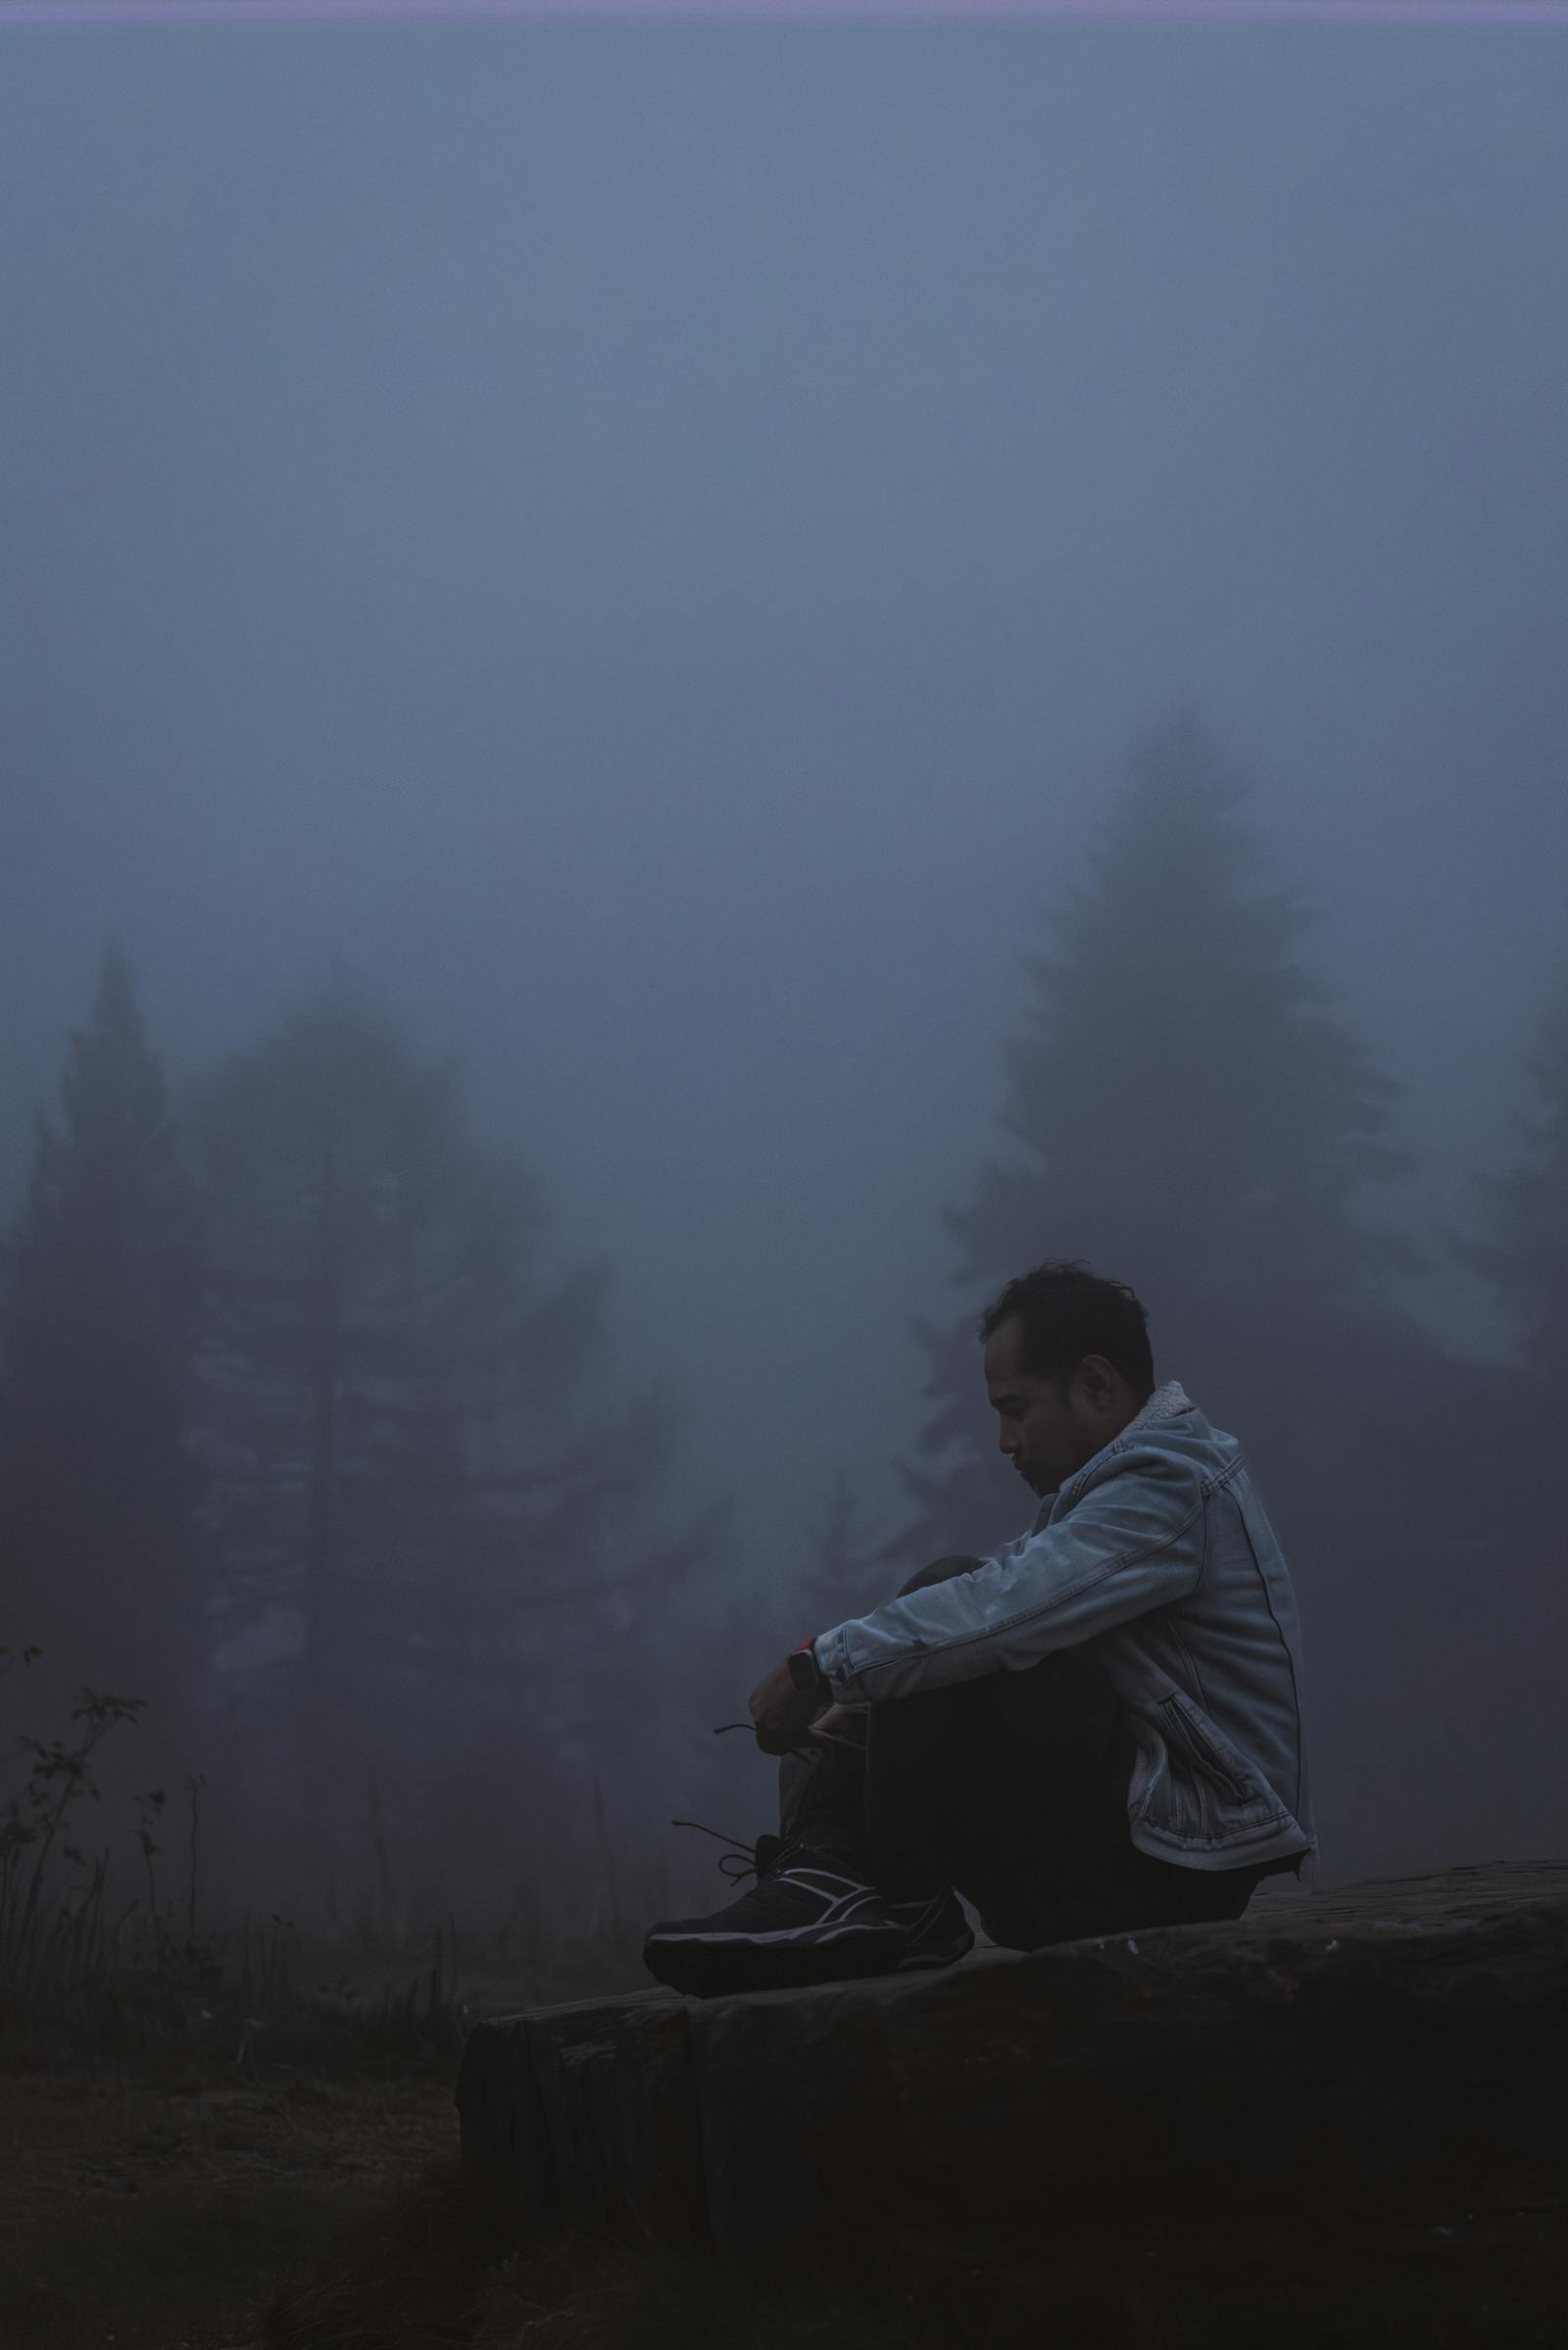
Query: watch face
{"type": "Point", "coordinates": [803, 1669]}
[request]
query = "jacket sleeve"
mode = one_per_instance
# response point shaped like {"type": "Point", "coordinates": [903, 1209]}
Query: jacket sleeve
{"type": "Point", "coordinates": [1134, 1542]}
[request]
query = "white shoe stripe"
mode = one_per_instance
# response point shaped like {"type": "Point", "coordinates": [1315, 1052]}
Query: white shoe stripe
{"type": "Point", "coordinates": [784, 1933]}
{"type": "Point", "coordinates": [852, 1896]}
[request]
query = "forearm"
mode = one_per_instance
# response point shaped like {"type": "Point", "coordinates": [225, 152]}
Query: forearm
{"type": "Point", "coordinates": [1003, 1616]}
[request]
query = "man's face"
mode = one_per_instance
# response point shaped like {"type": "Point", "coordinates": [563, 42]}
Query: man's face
{"type": "Point", "coordinates": [1048, 1428]}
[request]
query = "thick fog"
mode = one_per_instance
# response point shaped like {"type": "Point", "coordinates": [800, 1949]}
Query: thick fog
{"type": "Point", "coordinates": [648, 553]}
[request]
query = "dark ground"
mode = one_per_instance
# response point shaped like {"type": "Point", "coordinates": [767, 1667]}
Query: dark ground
{"type": "Point", "coordinates": [155, 2209]}
{"type": "Point", "coordinates": [179, 2141]}
{"type": "Point", "coordinates": [176, 2179]}
{"type": "Point", "coordinates": [1483, 2266]}
{"type": "Point", "coordinates": [155, 2212]}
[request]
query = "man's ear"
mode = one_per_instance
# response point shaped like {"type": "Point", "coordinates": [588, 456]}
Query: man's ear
{"type": "Point", "coordinates": [1098, 1381]}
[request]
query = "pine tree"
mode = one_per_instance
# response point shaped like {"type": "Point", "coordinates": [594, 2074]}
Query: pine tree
{"type": "Point", "coordinates": [101, 1300]}
{"type": "Point", "coordinates": [1188, 1110]}
{"type": "Point", "coordinates": [417, 1491]}
{"type": "Point", "coordinates": [1524, 1254]}
{"type": "Point", "coordinates": [1506, 1691]}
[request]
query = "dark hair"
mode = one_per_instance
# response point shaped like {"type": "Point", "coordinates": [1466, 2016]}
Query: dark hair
{"type": "Point", "coordinates": [1064, 1312]}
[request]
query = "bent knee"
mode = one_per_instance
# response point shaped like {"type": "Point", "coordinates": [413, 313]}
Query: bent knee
{"type": "Point", "coordinates": [839, 1726]}
{"type": "Point", "coordinates": [941, 1570]}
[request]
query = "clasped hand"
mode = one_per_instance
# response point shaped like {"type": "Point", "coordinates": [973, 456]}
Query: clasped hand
{"type": "Point", "coordinates": [781, 1713]}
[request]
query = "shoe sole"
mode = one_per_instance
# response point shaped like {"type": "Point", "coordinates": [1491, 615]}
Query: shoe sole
{"type": "Point", "coordinates": [712, 1966]}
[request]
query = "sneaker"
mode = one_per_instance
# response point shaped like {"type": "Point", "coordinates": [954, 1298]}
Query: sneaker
{"type": "Point", "coordinates": [935, 1930]}
{"type": "Point", "coordinates": [810, 1918]}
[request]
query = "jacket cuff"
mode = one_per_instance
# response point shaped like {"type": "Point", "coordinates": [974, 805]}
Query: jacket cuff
{"type": "Point", "coordinates": [832, 1652]}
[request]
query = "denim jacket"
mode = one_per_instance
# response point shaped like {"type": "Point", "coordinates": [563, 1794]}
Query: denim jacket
{"type": "Point", "coordinates": [1157, 1555]}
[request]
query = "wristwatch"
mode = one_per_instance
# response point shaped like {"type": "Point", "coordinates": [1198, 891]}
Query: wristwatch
{"type": "Point", "coordinates": [806, 1673]}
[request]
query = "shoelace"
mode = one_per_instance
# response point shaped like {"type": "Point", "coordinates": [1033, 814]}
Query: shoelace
{"type": "Point", "coordinates": [819, 1738]}
{"type": "Point", "coordinates": [742, 1860]}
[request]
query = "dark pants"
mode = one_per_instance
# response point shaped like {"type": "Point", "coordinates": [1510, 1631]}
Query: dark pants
{"type": "Point", "coordinates": [1012, 1789]}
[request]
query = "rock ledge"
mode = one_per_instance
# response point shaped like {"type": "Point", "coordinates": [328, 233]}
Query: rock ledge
{"type": "Point", "coordinates": [1315, 2054]}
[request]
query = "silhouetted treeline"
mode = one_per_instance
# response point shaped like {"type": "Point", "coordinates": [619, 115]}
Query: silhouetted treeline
{"type": "Point", "coordinates": [307, 1444]}
{"type": "Point", "coordinates": [309, 1440]}
{"type": "Point", "coordinates": [102, 1311]}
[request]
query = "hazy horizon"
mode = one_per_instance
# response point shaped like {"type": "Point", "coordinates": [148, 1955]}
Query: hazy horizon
{"type": "Point", "coordinates": [651, 547]}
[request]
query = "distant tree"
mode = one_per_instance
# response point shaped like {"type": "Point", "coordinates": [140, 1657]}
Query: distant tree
{"type": "Point", "coordinates": [1507, 1687]}
{"type": "Point", "coordinates": [1188, 1110]}
{"type": "Point", "coordinates": [1185, 1108]}
{"type": "Point", "coordinates": [1523, 1251]}
{"type": "Point", "coordinates": [101, 1296]}
{"type": "Point", "coordinates": [420, 1501]}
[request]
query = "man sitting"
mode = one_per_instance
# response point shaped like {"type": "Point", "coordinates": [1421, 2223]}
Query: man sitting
{"type": "Point", "coordinates": [1094, 1729]}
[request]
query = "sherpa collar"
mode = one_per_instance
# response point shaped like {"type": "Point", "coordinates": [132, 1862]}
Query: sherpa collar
{"type": "Point", "coordinates": [1164, 1405]}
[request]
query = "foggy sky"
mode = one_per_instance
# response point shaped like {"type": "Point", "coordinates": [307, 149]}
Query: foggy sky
{"type": "Point", "coordinates": [649, 546]}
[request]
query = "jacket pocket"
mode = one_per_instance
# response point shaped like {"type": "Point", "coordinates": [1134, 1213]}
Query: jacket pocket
{"type": "Point", "coordinates": [1204, 1752]}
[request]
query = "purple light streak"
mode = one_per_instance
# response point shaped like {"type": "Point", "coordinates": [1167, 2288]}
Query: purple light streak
{"type": "Point", "coordinates": [75, 14]}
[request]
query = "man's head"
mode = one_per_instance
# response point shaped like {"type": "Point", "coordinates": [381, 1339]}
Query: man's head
{"type": "Point", "coordinates": [1067, 1365]}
